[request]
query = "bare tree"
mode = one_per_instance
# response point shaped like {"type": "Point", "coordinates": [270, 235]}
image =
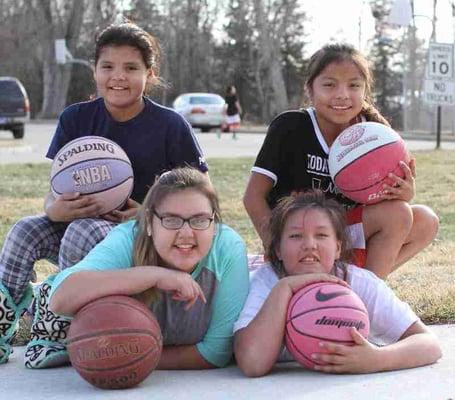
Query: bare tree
{"type": "Point", "coordinates": [270, 25]}
{"type": "Point", "coordinates": [59, 20]}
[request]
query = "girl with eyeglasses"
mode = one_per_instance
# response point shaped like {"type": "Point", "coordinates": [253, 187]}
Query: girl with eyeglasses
{"type": "Point", "coordinates": [177, 257]}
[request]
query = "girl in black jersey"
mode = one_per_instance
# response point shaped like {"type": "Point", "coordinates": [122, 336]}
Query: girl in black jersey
{"type": "Point", "coordinates": [294, 158]}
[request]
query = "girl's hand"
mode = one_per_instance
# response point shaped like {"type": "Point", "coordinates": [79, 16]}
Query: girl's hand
{"type": "Point", "coordinates": [127, 213]}
{"type": "Point", "coordinates": [181, 284]}
{"type": "Point", "coordinates": [403, 188]}
{"type": "Point", "coordinates": [363, 357]}
{"type": "Point", "coordinates": [70, 206]}
{"type": "Point", "coordinates": [296, 282]}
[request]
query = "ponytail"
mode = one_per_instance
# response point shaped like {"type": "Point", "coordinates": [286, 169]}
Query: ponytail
{"type": "Point", "coordinates": [372, 114]}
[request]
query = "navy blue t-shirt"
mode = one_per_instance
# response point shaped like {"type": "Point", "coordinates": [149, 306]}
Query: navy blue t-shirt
{"type": "Point", "coordinates": [156, 140]}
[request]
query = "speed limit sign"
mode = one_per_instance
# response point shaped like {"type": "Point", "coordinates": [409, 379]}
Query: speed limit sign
{"type": "Point", "coordinates": [440, 61]}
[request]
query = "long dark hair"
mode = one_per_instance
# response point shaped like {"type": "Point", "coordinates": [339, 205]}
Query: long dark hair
{"type": "Point", "coordinates": [339, 52]}
{"type": "Point", "coordinates": [308, 200]}
{"type": "Point", "coordinates": [129, 34]}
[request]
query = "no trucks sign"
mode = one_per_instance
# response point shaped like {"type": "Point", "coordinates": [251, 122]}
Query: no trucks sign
{"type": "Point", "coordinates": [439, 85]}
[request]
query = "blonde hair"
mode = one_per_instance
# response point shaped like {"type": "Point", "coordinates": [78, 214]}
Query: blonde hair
{"type": "Point", "coordinates": [173, 181]}
{"type": "Point", "coordinates": [336, 53]}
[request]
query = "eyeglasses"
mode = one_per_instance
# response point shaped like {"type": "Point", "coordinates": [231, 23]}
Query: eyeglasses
{"type": "Point", "coordinates": [199, 222]}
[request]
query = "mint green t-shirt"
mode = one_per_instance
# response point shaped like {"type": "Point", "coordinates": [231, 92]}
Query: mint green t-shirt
{"type": "Point", "coordinates": [222, 275]}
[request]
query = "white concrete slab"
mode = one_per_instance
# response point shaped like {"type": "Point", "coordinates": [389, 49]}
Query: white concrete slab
{"type": "Point", "coordinates": [287, 381]}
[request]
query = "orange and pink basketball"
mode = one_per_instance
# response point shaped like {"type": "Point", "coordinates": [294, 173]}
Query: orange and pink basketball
{"type": "Point", "coordinates": [322, 311]}
{"type": "Point", "coordinates": [93, 165]}
{"type": "Point", "coordinates": [361, 158]}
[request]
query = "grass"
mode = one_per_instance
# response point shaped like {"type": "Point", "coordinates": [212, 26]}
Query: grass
{"type": "Point", "coordinates": [427, 282]}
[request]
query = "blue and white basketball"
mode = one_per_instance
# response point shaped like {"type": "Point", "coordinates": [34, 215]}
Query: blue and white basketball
{"type": "Point", "coordinates": [93, 165]}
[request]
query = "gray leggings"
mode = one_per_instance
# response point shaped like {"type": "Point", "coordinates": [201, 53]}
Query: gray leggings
{"type": "Point", "coordinates": [36, 238]}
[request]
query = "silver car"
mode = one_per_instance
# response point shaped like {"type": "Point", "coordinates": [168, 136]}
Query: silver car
{"type": "Point", "coordinates": [201, 110]}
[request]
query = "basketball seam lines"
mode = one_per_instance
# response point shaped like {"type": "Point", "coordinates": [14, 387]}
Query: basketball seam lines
{"type": "Point", "coordinates": [304, 333]}
{"type": "Point", "coordinates": [95, 159]}
{"type": "Point", "coordinates": [112, 331]}
{"type": "Point", "coordinates": [147, 313]}
{"type": "Point", "coordinates": [86, 369]}
{"type": "Point", "coordinates": [325, 308]}
{"type": "Point", "coordinates": [347, 165]}
{"type": "Point", "coordinates": [308, 359]}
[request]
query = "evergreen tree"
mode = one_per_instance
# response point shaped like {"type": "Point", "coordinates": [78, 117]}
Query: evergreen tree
{"type": "Point", "coordinates": [387, 64]}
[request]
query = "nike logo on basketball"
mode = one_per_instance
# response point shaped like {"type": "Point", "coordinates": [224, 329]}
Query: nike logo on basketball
{"type": "Point", "coordinates": [329, 296]}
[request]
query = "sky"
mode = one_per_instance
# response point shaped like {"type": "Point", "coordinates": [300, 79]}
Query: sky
{"type": "Point", "coordinates": [345, 18]}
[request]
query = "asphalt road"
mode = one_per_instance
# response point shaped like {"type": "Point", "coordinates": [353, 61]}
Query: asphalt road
{"type": "Point", "coordinates": [33, 147]}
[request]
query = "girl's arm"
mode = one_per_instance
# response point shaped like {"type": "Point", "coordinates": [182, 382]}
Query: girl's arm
{"type": "Point", "coordinates": [255, 201]}
{"type": "Point", "coordinates": [83, 287]}
{"type": "Point", "coordinates": [258, 345]}
{"type": "Point", "coordinates": [416, 347]}
{"type": "Point", "coordinates": [69, 206]}
{"type": "Point", "coordinates": [128, 212]}
{"type": "Point", "coordinates": [239, 107]}
{"type": "Point", "coordinates": [183, 357]}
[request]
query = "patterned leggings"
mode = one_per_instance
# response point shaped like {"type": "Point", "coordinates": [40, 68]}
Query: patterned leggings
{"type": "Point", "coordinates": [36, 238]}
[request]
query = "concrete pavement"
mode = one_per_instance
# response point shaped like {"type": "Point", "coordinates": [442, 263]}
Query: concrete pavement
{"type": "Point", "coordinates": [287, 381]}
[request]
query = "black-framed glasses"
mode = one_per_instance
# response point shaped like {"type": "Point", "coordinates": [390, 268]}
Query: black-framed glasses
{"type": "Point", "coordinates": [174, 222]}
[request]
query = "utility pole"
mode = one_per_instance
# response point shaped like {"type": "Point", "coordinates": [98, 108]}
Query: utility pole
{"type": "Point", "coordinates": [438, 107]}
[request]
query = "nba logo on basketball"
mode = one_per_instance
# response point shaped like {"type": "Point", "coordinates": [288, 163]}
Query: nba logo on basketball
{"type": "Point", "coordinates": [91, 175]}
{"type": "Point", "coordinates": [96, 166]}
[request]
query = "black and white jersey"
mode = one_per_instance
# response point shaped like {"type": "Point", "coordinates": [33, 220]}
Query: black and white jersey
{"type": "Point", "coordinates": [295, 156]}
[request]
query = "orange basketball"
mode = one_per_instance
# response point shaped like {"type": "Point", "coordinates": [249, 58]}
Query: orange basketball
{"type": "Point", "coordinates": [114, 342]}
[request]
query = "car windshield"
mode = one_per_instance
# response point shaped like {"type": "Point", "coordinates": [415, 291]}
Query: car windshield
{"type": "Point", "coordinates": [10, 89]}
{"type": "Point", "coordinates": [206, 100]}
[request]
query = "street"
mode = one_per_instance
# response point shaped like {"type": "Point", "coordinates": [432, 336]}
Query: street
{"type": "Point", "coordinates": [32, 149]}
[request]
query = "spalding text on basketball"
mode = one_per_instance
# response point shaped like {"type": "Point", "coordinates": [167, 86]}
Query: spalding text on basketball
{"type": "Point", "coordinates": [119, 381]}
{"type": "Point", "coordinates": [109, 351]}
{"type": "Point", "coordinates": [85, 147]}
{"type": "Point", "coordinates": [91, 175]}
{"type": "Point", "coordinates": [340, 322]}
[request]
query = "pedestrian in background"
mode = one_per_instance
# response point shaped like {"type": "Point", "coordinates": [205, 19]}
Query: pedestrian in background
{"type": "Point", "coordinates": [233, 111]}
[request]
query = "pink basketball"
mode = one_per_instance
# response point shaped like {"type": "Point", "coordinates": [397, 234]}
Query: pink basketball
{"type": "Point", "coordinates": [361, 158]}
{"type": "Point", "coordinates": [322, 311]}
{"type": "Point", "coordinates": [93, 165]}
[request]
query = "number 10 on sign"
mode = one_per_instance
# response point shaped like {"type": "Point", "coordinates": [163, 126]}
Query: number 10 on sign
{"type": "Point", "coordinates": [440, 61]}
